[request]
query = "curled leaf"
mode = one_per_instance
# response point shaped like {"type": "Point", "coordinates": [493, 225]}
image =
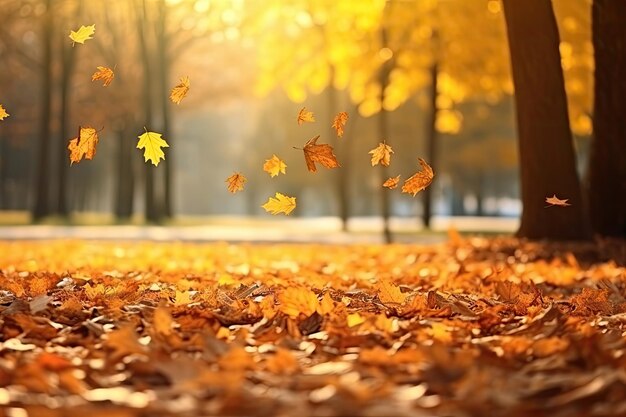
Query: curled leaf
{"type": "Point", "coordinates": [305, 116]}
{"type": "Point", "coordinates": [179, 92]}
{"type": "Point", "coordinates": [420, 180]}
{"type": "Point", "coordinates": [339, 122]}
{"type": "Point", "coordinates": [322, 153]}
{"type": "Point", "coordinates": [392, 182]}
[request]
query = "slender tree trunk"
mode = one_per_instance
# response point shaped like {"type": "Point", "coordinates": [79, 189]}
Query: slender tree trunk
{"type": "Point", "coordinates": [547, 160]}
{"type": "Point", "coordinates": [42, 205]}
{"type": "Point", "coordinates": [3, 173]}
{"type": "Point", "coordinates": [383, 135]}
{"type": "Point", "coordinates": [431, 143]}
{"type": "Point", "coordinates": [164, 67]}
{"type": "Point", "coordinates": [607, 163]}
{"type": "Point", "coordinates": [342, 175]}
{"type": "Point", "coordinates": [125, 178]}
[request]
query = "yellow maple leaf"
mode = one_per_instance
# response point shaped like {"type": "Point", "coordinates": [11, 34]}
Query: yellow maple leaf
{"type": "Point", "coordinates": [274, 166]}
{"type": "Point", "coordinates": [381, 154]}
{"type": "Point", "coordinates": [339, 122]}
{"type": "Point", "coordinates": [180, 90]}
{"type": "Point", "coordinates": [236, 182]}
{"type": "Point", "coordinates": [392, 182]}
{"type": "Point", "coordinates": [151, 143]}
{"type": "Point", "coordinates": [295, 300]}
{"type": "Point", "coordinates": [555, 201]}
{"type": "Point", "coordinates": [322, 153]}
{"type": "Point", "coordinates": [105, 74]}
{"type": "Point", "coordinates": [82, 34]}
{"type": "Point", "coordinates": [3, 113]}
{"type": "Point", "coordinates": [84, 145]}
{"type": "Point", "coordinates": [420, 180]}
{"type": "Point", "coordinates": [280, 204]}
{"type": "Point", "coordinates": [388, 292]}
{"type": "Point", "coordinates": [305, 116]}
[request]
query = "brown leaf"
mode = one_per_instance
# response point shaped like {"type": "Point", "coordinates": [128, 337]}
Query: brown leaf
{"type": "Point", "coordinates": [295, 300]}
{"type": "Point", "coordinates": [322, 153]}
{"type": "Point", "coordinates": [339, 123]}
{"type": "Point", "coordinates": [84, 145]}
{"type": "Point", "coordinates": [105, 74]}
{"type": "Point", "coordinates": [420, 180]}
{"type": "Point", "coordinates": [388, 292]}
{"type": "Point", "coordinates": [392, 182]}
{"type": "Point", "coordinates": [381, 154]}
{"type": "Point", "coordinates": [555, 201]}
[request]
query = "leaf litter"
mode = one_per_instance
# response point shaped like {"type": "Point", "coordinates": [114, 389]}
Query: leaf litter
{"type": "Point", "coordinates": [470, 327]}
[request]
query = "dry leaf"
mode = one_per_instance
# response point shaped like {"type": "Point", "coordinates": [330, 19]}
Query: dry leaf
{"type": "Point", "coordinates": [163, 321]}
{"type": "Point", "coordinates": [235, 182]}
{"type": "Point", "coordinates": [282, 362]}
{"type": "Point", "coordinates": [3, 113]}
{"type": "Point", "coordinates": [305, 116]}
{"type": "Point", "coordinates": [381, 154]}
{"type": "Point", "coordinates": [388, 292]}
{"type": "Point", "coordinates": [82, 34]}
{"type": "Point", "coordinates": [392, 182]}
{"type": "Point", "coordinates": [327, 305]}
{"type": "Point", "coordinates": [295, 300]}
{"type": "Point", "coordinates": [274, 166]}
{"type": "Point", "coordinates": [180, 90]}
{"type": "Point", "coordinates": [339, 122]}
{"type": "Point", "coordinates": [280, 204]}
{"type": "Point", "coordinates": [322, 153]}
{"type": "Point", "coordinates": [555, 201]}
{"type": "Point", "coordinates": [152, 142]}
{"type": "Point", "coordinates": [105, 74]}
{"type": "Point", "coordinates": [420, 180]}
{"type": "Point", "coordinates": [84, 145]}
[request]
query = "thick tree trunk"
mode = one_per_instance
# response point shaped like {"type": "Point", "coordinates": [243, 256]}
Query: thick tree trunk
{"type": "Point", "coordinates": [42, 205]}
{"type": "Point", "coordinates": [607, 162]}
{"type": "Point", "coordinates": [547, 160]}
{"type": "Point", "coordinates": [431, 144]}
{"type": "Point", "coordinates": [164, 73]}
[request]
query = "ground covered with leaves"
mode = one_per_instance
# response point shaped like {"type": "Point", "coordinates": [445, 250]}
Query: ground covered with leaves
{"type": "Point", "coordinates": [470, 327]}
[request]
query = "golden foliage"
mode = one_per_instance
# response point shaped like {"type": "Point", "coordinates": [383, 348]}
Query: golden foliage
{"type": "Point", "coordinates": [381, 154]}
{"type": "Point", "coordinates": [84, 146]}
{"type": "Point", "coordinates": [83, 34]}
{"type": "Point", "coordinates": [3, 113]}
{"type": "Point", "coordinates": [236, 182]}
{"type": "Point", "coordinates": [179, 92]}
{"type": "Point", "coordinates": [151, 143]}
{"type": "Point", "coordinates": [280, 204]}
{"type": "Point", "coordinates": [305, 116]}
{"type": "Point", "coordinates": [274, 166]}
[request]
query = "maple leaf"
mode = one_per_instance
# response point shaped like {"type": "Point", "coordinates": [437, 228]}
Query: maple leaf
{"type": "Point", "coordinates": [274, 166]}
{"type": "Point", "coordinates": [339, 122]}
{"type": "Point", "coordinates": [180, 91]}
{"type": "Point", "coordinates": [151, 143]}
{"type": "Point", "coordinates": [280, 204]}
{"type": "Point", "coordinates": [322, 153]}
{"type": "Point", "coordinates": [295, 300]}
{"type": "Point", "coordinates": [3, 113]}
{"type": "Point", "coordinates": [388, 292]}
{"type": "Point", "coordinates": [105, 74]}
{"type": "Point", "coordinates": [381, 154]}
{"type": "Point", "coordinates": [555, 201]}
{"type": "Point", "coordinates": [84, 145]}
{"type": "Point", "coordinates": [236, 182]}
{"type": "Point", "coordinates": [305, 116]}
{"type": "Point", "coordinates": [392, 182]}
{"type": "Point", "coordinates": [82, 34]}
{"type": "Point", "coordinates": [420, 180]}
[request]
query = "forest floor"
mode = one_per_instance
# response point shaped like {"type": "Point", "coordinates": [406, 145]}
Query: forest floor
{"type": "Point", "coordinates": [468, 327]}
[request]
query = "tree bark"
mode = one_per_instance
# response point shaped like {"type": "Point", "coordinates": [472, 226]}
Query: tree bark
{"type": "Point", "coordinates": [547, 160]}
{"type": "Point", "coordinates": [164, 66]}
{"type": "Point", "coordinates": [42, 205]}
{"type": "Point", "coordinates": [125, 179]}
{"type": "Point", "coordinates": [607, 163]}
{"type": "Point", "coordinates": [341, 181]}
{"type": "Point", "coordinates": [383, 135]}
{"type": "Point", "coordinates": [431, 143]}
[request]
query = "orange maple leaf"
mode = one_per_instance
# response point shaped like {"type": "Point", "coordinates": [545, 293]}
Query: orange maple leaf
{"type": "Point", "coordinates": [381, 154]}
{"type": "Point", "coordinates": [180, 91]}
{"type": "Point", "coordinates": [105, 74]}
{"type": "Point", "coordinates": [305, 116]}
{"type": "Point", "coordinates": [388, 292]}
{"type": "Point", "coordinates": [322, 153]}
{"type": "Point", "coordinates": [236, 182]}
{"type": "Point", "coordinates": [392, 182]}
{"type": "Point", "coordinates": [555, 201]}
{"type": "Point", "coordinates": [274, 166]}
{"type": "Point", "coordinates": [339, 122]}
{"type": "Point", "coordinates": [420, 180]}
{"type": "Point", "coordinates": [295, 300]}
{"type": "Point", "coordinates": [84, 145]}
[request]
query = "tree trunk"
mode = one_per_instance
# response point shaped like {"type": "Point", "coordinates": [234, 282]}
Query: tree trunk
{"type": "Point", "coordinates": [164, 66]}
{"type": "Point", "coordinates": [125, 178]}
{"type": "Point", "coordinates": [547, 160]}
{"type": "Point", "coordinates": [607, 161]}
{"type": "Point", "coordinates": [42, 205]}
{"type": "Point", "coordinates": [431, 143]}
{"type": "Point", "coordinates": [383, 135]}
{"type": "Point", "coordinates": [341, 184]}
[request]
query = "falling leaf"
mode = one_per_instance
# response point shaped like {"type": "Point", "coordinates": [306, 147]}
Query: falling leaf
{"type": "Point", "coordinates": [105, 74]}
{"type": "Point", "coordinates": [381, 154]}
{"type": "Point", "coordinates": [420, 180]}
{"type": "Point", "coordinates": [274, 166]}
{"type": "Point", "coordinates": [305, 116]}
{"type": "Point", "coordinates": [180, 91]}
{"type": "Point", "coordinates": [82, 34]}
{"type": "Point", "coordinates": [3, 113]}
{"type": "Point", "coordinates": [388, 292]}
{"type": "Point", "coordinates": [392, 182]}
{"type": "Point", "coordinates": [322, 153]}
{"type": "Point", "coordinates": [151, 142]}
{"type": "Point", "coordinates": [339, 122]}
{"type": "Point", "coordinates": [84, 145]}
{"type": "Point", "coordinates": [280, 204]}
{"type": "Point", "coordinates": [555, 201]}
{"type": "Point", "coordinates": [235, 182]}
{"type": "Point", "coordinates": [295, 300]}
